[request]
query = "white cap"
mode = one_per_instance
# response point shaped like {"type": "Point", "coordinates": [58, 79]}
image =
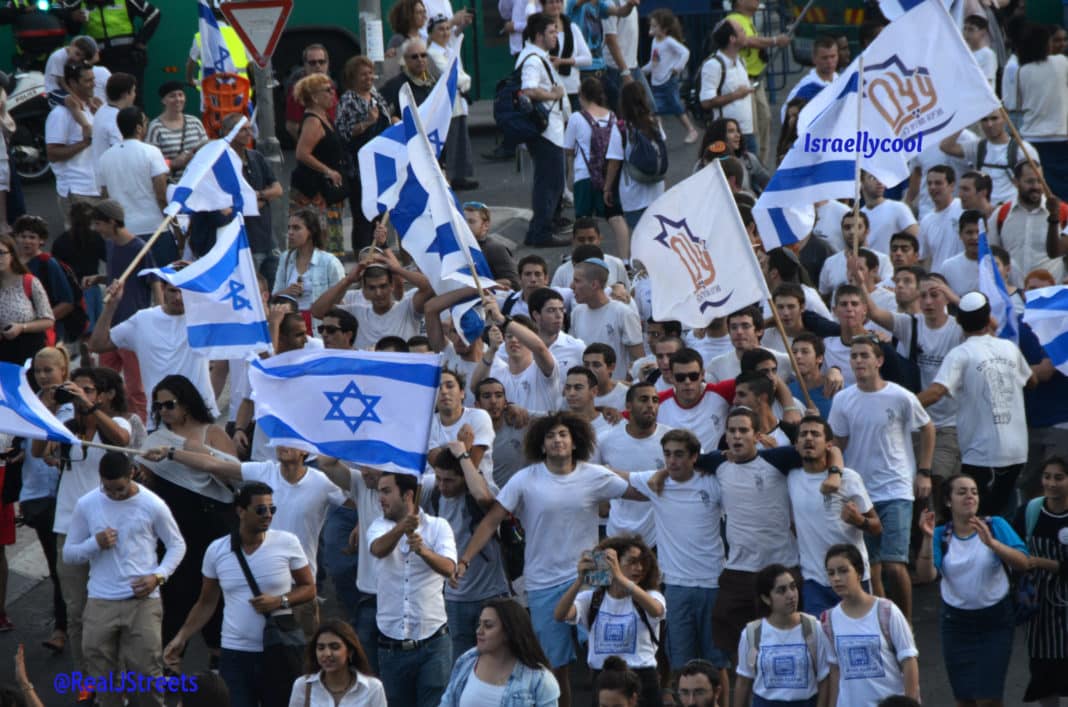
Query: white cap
{"type": "Point", "coordinates": [972, 302]}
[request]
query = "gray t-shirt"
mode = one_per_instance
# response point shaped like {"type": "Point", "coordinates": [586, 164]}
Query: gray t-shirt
{"type": "Point", "coordinates": [485, 576]}
{"type": "Point", "coordinates": [508, 457]}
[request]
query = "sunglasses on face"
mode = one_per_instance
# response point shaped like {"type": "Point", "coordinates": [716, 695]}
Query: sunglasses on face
{"type": "Point", "coordinates": [264, 510]}
{"type": "Point", "coordinates": [317, 62]}
{"type": "Point", "coordinates": [328, 329]}
{"type": "Point", "coordinates": [164, 405]}
{"type": "Point", "coordinates": [423, 55]}
{"type": "Point", "coordinates": [692, 376]}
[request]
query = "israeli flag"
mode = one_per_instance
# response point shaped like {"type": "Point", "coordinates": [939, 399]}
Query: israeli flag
{"type": "Point", "coordinates": [370, 408]}
{"type": "Point", "coordinates": [431, 226]}
{"type": "Point", "coordinates": [224, 314]}
{"type": "Point", "coordinates": [214, 56]}
{"type": "Point", "coordinates": [1046, 313]}
{"type": "Point", "coordinates": [22, 414]}
{"type": "Point", "coordinates": [913, 93]}
{"type": "Point", "coordinates": [213, 181]}
{"type": "Point", "coordinates": [384, 160]}
{"type": "Point", "coordinates": [893, 9]}
{"type": "Point", "coordinates": [993, 286]}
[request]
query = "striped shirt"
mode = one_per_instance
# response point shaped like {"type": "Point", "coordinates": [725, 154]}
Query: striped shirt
{"type": "Point", "coordinates": [1047, 632]}
{"type": "Point", "coordinates": [174, 142]}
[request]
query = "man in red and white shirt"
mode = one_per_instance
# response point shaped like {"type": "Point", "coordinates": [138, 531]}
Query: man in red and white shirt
{"type": "Point", "coordinates": [694, 404]}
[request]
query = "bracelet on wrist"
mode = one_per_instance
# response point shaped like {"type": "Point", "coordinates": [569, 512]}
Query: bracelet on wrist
{"type": "Point", "coordinates": [924, 472]}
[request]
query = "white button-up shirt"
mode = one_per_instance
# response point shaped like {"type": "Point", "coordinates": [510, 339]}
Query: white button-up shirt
{"type": "Point", "coordinates": [411, 602]}
{"type": "Point", "coordinates": [535, 76]}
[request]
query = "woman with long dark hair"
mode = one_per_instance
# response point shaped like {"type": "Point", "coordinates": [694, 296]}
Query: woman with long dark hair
{"type": "Point", "coordinates": [770, 668]}
{"type": "Point", "coordinates": [336, 671]}
{"type": "Point", "coordinates": [727, 132]}
{"type": "Point", "coordinates": [25, 315]}
{"type": "Point", "coordinates": [306, 270]}
{"type": "Point", "coordinates": [635, 192]}
{"type": "Point", "coordinates": [973, 555]}
{"type": "Point", "coordinates": [506, 662]}
{"type": "Point", "coordinates": [631, 600]}
{"type": "Point", "coordinates": [201, 504]}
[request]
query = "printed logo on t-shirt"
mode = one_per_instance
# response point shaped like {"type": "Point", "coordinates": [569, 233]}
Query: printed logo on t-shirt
{"type": "Point", "coordinates": [705, 498]}
{"type": "Point", "coordinates": [615, 634]}
{"type": "Point", "coordinates": [860, 657]}
{"type": "Point", "coordinates": [784, 667]}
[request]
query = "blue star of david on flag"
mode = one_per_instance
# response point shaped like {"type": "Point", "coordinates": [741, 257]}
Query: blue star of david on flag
{"type": "Point", "coordinates": [234, 295]}
{"type": "Point", "coordinates": [435, 139]}
{"type": "Point", "coordinates": [353, 392]}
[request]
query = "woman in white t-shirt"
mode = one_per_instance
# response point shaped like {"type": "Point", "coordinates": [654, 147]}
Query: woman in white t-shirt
{"type": "Point", "coordinates": [343, 677]}
{"type": "Point", "coordinates": [637, 116]}
{"type": "Point", "coordinates": [590, 157]}
{"type": "Point", "coordinates": [872, 632]}
{"type": "Point", "coordinates": [978, 623]}
{"type": "Point", "coordinates": [782, 658]}
{"type": "Point", "coordinates": [623, 618]}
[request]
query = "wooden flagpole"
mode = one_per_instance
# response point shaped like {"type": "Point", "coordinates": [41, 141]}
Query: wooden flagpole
{"type": "Point", "coordinates": [110, 447]}
{"type": "Point", "coordinates": [1027, 155]}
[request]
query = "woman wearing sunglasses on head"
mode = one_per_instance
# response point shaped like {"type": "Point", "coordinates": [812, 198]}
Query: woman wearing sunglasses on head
{"type": "Point", "coordinates": [201, 504]}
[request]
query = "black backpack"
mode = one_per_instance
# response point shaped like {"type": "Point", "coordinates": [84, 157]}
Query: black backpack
{"type": "Point", "coordinates": [646, 160]}
{"type": "Point", "coordinates": [518, 117]}
{"type": "Point", "coordinates": [77, 322]}
{"type": "Point", "coordinates": [694, 97]}
{"type": "Point", "coordinates": [510, 534]}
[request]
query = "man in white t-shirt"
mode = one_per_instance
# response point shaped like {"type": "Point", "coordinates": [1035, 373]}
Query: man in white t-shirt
{"type": "Point", "coordinates": [67, 143]}
{"type": "Point", "coordinates": [121, 93]}
{"type": "Point", "coordinates": [936, 335]}
{"type": "Point", "coordinates": [686, 512]}
{"type": "Point", "coordinates": [304, 495]}
{"type": "Point", "coordinates": [556, 500]}
{"type": "Point", "coordinates": [415, 552]}
{"type": "Point", "coordinates": [159, 337]}
{"type": "Point", "coordinates": [962, 270]}
{"type": "Point", "coordinates": [533, 275]}
{"type": "Point", "coordinates": [835, 270]}
{"type": "Point", "coordinates": [634, 446]}
{"type": "Point", "coordinates": [81, 49]}
{"type": "Point", "coordinates": [725, 88]}
{"type": "Point", "coordinates": [586, 232]}
{"type": "Point", "coordinates": [532, 379]}
{"type": "Point", "coordinates": [547, 309]}
{"type": "Point", "coordinates": [885, 216]}
{"type": "Point", "coordinates": [450, 420]}
{"type": "Point", "coordinates": [135, 173]}
{"type": "Point", "coordinates": [283, 576]}
{"type": "Point", "coordinates": [596, 317]}
{"type": "Point", "coordinates": [986, 376]}
{"type": "Point", "coordinates": [996, 154]}
{"type": "Point", "coordinates": [917, 194]}
{"type": "Point", "coordinates": [939, 229]}
{"type": "Point", "coordinates": [873, 422]}
{"type": "Point", "coordinates": [580, 387]}
{"type": "Point", "coordinates": [746, 327]}
{"type": "Point", "coordinates": [822, 520]}
{"type": "Point", "coordinates": [509, 429]}
{"type": "Point", "coordinates": [115, 530]}
{"type": "Point", "coordinates": [601, 359]}
{"type": "Point", "coordinates": [378, 313]}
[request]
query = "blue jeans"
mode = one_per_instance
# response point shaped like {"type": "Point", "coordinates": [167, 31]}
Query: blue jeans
{"type": "Point", "coordinates": [548, 188]}
{"type": "Point", "coordinates": [417, 678]}
{"type": "Point", "coordinates": [341, 567]}
{"type": "Point", "coordinates": [817, 598]}
{"type": "Point", "coordinates": [689, 625]}
{"type": "Point", "coordinates": [366, 626]}
{"type": "Point", "coordinates": [242, 672]}
{"type": "Point", "coordinates": [554, 636]}
{"type": "Point", "coordinates": [893, 544]}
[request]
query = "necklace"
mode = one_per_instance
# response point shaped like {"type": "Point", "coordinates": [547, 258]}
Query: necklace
{"type": "Point", "coordinates": [343, 689]}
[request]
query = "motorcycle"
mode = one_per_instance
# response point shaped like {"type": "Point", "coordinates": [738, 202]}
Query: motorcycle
{"type": "Point", "coordinates": [27, 104]}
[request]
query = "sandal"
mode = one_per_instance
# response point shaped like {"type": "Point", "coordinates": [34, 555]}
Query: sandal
{"type": "Point", "coordinates": [56, 642]}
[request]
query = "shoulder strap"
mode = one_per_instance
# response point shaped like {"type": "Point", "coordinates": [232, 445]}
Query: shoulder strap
{"type": "Point", "coordinates": [883, 608]}
{"type": "Point", "coordinates": [1031, 516]}
{"type": "Point", "coordinates": [595, 606]}
{"type": "Point", "coordinates": [809, 627]}
{"type": "Point", "coordinates": [649, 625]}
{"type": "Point", "coordinates": [235, 545]}
{"type": "Point", "coordinates": [980, 154]}
{"type": "Point", "coordinates": [914, 345]}
{"type": "Point", "coordinates": [435, 500]}
{"type": "Point", "coordinates": [307, 694]}
{"type": "Point", "coordinates": [722, 73]}
{"type": "Point", "coordinates": [1003, 213]}
{"type": "Point", "coordinates": [753, 631]}
{"type": "Point", "coordinates": [1012, 154]}
{"type": "Point", "coordinates": [27, 286]}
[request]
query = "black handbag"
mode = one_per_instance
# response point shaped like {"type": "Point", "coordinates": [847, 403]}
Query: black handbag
{"type": "Point", "coordinates": [283, 643]}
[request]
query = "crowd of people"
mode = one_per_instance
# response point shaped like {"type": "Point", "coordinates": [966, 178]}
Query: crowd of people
{"type": "Point", "coordinates": [727, 515]}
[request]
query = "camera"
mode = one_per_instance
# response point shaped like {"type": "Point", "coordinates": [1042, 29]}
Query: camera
{"type": "Point", "coordinates": [63, 396]}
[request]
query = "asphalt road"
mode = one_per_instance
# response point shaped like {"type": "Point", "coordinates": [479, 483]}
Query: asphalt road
{"type": "Point", "coordinates": [507, 191]}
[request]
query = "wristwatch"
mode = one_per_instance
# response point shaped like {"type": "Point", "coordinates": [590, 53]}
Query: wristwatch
{"type": "Point", "coordinates": [285, 601]}
{"type": "Point", "coordinates": [170, 453]}
{"type": "Point", "coordinates": [924, 472]}
{"type": "Point", "coordinates": [161, 579]}
{"type": "Point", "coordinates": [465, 455]}
{"type": "Point", "coordinates": [835, 470]}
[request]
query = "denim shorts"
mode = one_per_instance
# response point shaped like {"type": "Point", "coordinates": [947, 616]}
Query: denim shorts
{"type": "Point", "coordinates": [554, 636]}
{"type": "Point", "coordinates": [893, 544]}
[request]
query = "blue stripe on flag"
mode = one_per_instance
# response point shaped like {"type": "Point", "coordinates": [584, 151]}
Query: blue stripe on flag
{"type": "Point", "coordinates": [203, 336]}
{"type": "Point", "coordinates": [1057, 349]}
{"type": "Point", "coordinates": [782, 226]}
{"type": "Point", "coordinates": [819, 173]}
{"type": "Point", "coordinates": [12, 378]}
{"type": "Point", "coordinates": [415, 373]}
{"type": "Point", "coordinates": [214, 277]}
{"type": "Point", "coordinates": [411, 204]}
{"type": "Point", "coordinates": [1055, 303]}
{"type": "Point", "coordinates": [367, 451]}
{"type": "Point", "coordinates": [228, 180]}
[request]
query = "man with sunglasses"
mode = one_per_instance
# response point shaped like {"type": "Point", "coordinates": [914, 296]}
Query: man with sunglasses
{"type": "Point", "coordinates": [314, 60]}
{"type": "Point", "coordinates": [115, 530]}
{"type": "Point", "coordinates": [285, 580]}
{"type": "Point", "coordinates": [338, 329]}
{"type": "Point", "coordinates": [416, 71]}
